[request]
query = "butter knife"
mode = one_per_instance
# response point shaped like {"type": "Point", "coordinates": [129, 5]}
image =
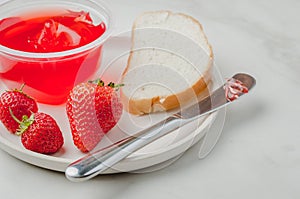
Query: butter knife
{"type": "Point", "coordinates": [99, 161]}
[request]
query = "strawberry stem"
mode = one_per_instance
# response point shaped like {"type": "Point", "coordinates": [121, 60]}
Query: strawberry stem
{"type": "Point", "coordinates": [99, 82]}
{"type": "Point", "coordinates": [21, 88]}
{"type": "Point", "coordinates": [24, 124]}
{"type": "Point", "coordinates": [111, 84]}
{"type": "Point", "coordinates": [115, 86]}
{"type": "Point", "coordinates": [13, 116]}
{"type": "Point", "coordinates": [21, 91]}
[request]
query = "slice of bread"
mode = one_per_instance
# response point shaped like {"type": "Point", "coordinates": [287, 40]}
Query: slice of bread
{"type": "Point", "coordinates": [169, 63]}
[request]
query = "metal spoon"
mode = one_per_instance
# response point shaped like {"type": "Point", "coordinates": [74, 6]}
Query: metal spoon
{"type": "Point", "coordinates": [98, 162]}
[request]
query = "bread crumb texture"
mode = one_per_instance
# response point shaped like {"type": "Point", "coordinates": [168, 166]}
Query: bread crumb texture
{"type": "Point", "coordinates": [169, 63]}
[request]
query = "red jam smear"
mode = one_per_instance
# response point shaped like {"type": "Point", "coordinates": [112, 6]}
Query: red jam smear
{"type": "Point", "coordinates": [234, 88]}
{"type": "Point", "coordinates": [50, 82]}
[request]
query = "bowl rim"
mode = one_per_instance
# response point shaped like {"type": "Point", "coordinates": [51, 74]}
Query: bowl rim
{"type": "Point", "coordinates": [109, 23]}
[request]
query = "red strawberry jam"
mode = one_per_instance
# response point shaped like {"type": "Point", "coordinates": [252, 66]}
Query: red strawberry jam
{"type": "Point", "coordinates": [50, 79]}
{"type": "Point", "coordinates": [234, 88]}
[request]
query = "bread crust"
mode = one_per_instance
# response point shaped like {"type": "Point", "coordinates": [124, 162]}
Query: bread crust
{"type": "Point", "coordinates": [158, 103]}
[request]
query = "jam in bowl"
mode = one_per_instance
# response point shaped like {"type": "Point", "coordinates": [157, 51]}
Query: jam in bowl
{"type": "Point", "coordinates": [50, 46]}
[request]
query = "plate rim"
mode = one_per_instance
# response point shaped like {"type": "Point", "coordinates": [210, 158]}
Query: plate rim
{"type": "Point", "coordinates": [47, 161]}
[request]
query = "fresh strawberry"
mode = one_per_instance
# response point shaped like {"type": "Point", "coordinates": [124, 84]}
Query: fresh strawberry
{"type": "Point", "coordinates": [19, 104]}
{"type": "Point", "coordinates": [40, 133]}
{"type": "Point", "coordinates": [93, 109]}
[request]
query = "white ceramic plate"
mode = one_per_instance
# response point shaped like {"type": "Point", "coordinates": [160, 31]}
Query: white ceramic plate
{"type": "Point", "coordinates": [159, 151]}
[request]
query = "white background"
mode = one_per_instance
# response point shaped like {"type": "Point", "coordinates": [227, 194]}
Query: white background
{"type": "Point", "coordinates": [258, 154]}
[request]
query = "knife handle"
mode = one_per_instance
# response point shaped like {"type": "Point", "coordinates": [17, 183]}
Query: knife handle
{"type": "Point", "coordinates": [98, 162]}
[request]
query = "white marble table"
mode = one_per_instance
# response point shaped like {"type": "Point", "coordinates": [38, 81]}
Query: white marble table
{"type": "Point", "coordinates": [258, 154]}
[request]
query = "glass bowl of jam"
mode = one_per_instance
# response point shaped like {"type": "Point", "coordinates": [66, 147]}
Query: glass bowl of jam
{"type": "Point", "coordinates": [50, 46]}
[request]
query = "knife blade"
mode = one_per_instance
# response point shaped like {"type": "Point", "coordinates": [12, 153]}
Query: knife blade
{"type": "Point", "coordinates": [99, 161]}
